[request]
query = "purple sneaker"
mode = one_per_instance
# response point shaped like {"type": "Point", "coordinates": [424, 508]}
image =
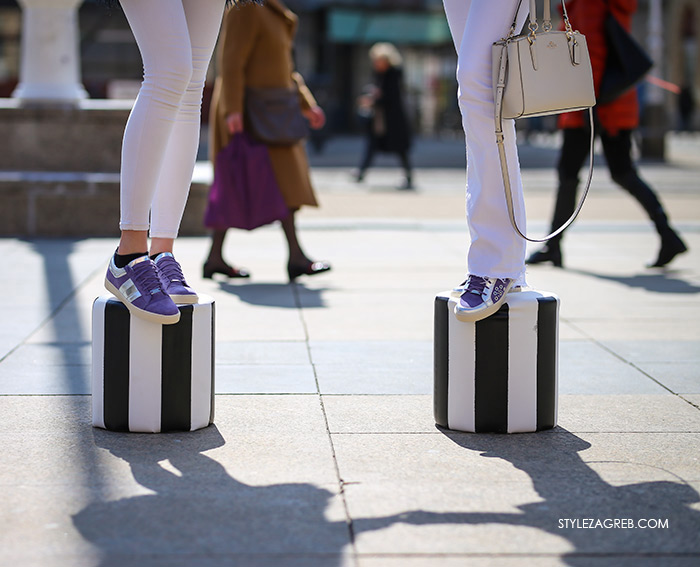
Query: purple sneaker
{"type": "Point", "coordinates": [482, 297]}
{"type": "Point", "coordinates": [172, 279]}
{"type": "Point", "coordinates": [137, 286]}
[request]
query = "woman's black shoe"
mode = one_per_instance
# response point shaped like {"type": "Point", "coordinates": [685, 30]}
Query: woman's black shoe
{"type": "Point", "coordinates": [308, 269]}
{"type": "Point", "coordinates": [671, 246]}
{"type": "Point", "coordinates": [547, 254]}
{"type": "Point", "coordinates": [208, 271]}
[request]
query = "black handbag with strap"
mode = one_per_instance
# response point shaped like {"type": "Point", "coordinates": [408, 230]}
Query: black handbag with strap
{"type": "Point", "coordinates": [273, 116]}
{"type": "Point", "coordinates": [626, 64]}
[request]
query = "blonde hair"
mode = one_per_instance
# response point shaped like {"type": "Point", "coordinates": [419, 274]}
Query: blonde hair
{"type": "Point", "coordinates": [387, 51]}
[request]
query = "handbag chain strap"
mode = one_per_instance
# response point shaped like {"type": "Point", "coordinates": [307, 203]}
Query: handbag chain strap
{"type": "Point", "coordinates": [533, 26]}
{"type": "Point", "coordinates": [500, 88]}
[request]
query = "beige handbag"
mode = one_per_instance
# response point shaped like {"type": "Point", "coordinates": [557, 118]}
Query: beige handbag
{"type": "Point", "coordinates": [538, 73]}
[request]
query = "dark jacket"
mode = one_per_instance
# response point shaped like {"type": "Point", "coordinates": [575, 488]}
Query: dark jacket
{"type": "Point", "coordinates": [394, 131]}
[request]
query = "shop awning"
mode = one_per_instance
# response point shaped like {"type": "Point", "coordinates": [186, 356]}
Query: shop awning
{"type": "Point", "coordinates": [359, 26]}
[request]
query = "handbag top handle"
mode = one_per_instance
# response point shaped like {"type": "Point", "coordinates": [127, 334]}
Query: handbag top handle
{"type": "Point", "coordinates": [533, 26]}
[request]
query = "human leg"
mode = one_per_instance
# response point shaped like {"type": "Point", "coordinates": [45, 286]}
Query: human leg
{"type": "Point", "coordinates": [367, 158]}
{"type": "Point", "coordinates": [406, 164]}
{"type": "Point", "coordinates": [299, 264]}
{"type": "Point", "coordinates": [575, 148]}
{"type": "Point", "coordinates": [617, 150]}
{"type": "Point", "coordinates": [216, 264]}
{"type": "Point", "coordinates": [203, 19]}
{"type": "Point", "coordinates": [496, 256]}
{"type": "Point", "coordinates": [160, 30]}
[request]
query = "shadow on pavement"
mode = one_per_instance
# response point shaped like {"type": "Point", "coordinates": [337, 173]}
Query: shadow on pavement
{"type": "Point", "coordinates": [276, 294]}
{"type": "Point", "coordinates": [571, 490]}
{"type": "Point", "coordinates": [663, 282]}
{"type": "Point", "coordinates": [191, 511]}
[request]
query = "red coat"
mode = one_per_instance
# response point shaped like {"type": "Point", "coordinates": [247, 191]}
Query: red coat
{"type": "Point", "coordinates": [588, 17]}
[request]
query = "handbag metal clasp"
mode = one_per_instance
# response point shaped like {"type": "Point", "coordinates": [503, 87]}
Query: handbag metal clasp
{"type": "Point", "coordinates": [574, 49]}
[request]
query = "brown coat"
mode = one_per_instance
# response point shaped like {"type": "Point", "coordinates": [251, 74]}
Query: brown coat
{"type": "Point", "coordinates": [255, 50]}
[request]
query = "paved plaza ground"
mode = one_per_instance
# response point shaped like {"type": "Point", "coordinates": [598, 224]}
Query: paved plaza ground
{"type": "Point", "coordinates": [324, 450]}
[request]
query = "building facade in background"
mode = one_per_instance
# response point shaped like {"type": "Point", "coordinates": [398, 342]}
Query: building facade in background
{"type": "Point", "coordinates": [332, 52]}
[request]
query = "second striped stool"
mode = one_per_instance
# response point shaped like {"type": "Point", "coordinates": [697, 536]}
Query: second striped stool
{"type": "Point", "coordinates": [498, 374]}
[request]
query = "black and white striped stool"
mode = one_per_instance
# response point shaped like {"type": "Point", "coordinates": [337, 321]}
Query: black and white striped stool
{"type": "Point", "coordinates": [498, 374]}
{"type": "Point", "coordinates": [148, 377]}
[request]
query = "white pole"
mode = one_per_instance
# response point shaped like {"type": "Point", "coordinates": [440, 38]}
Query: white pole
{"type": "Point", "coordinates": [654, 119]}
{"type": "Point", "coordinates": [50, 61]}
{"type": "Point", "coordinates": [655, 44]}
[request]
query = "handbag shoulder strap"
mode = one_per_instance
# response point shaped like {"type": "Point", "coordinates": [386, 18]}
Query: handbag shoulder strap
{"type": "Point", "coordinates": [546, 20]}
{"type": "Point", "coordinates": [498, 116]}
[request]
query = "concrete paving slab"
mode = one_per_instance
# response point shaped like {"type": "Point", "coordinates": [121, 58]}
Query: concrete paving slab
{"type": "Point", "coordinates": [380, 414]}
{"type": "Point", "coordinates": [373, 367]}
{"type": "Point", "coordinates": [679, 377]}
{"type": "Point", "coordinates": [533, 560]}
{"type": "Point", "coordinates": [627, 413]}
{"type": "Point", "coordinates": [577, 413]}
{"type": "Point", "coordinates": [239, 322]}
{"type": "Point", "coordinates": [114, 490]}
{"type": "Point", "coordinates": [399, 315]}
{"type": "Point", "coordinates": [649, 449]}
{"type": "Point", "coordinates": [636, 329]}
{"type": "Point", "coordinates": [586, 368]}
{"type": "Point", "coordinates": [396, 379]}
{"type": "Point", "coordinates": [694, 399]}
{"type": "Point", "coordinates": [537, 528]}
{"type": "Point", "coordinates": [361, 354]}
{"type": "Point", "coordinates": [405, 458]}
{"type": "Point", "coordinates": [262, 352]}
{"type": "Point", "coordinates": [656, 351]}
{"type": "Point", "coordinates": [525, 503]}
{"type": "Point", "coordinates": [47, 369]}
{"type": "Point", "coordinates": [118, 559]}
{"type": "Point", "coordinates": [265, 379]}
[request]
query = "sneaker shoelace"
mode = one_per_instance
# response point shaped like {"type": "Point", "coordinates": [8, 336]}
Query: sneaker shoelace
{"type": "Point", "coordinates": [171, 270]}
{"type": "Point", "coordinates": [146, 277]}
{"type": "Point", "coordinates": [476, 285]}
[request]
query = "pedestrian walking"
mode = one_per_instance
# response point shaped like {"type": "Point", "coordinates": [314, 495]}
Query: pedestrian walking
{"type": "Point", "coordinates": [496, 255]}
{"type": "Point", "coordinates": [614, 123]}
{"type": "Point", "coordinates": [388, 128]}
{"type": "Point", "coordinates": [176, 39]}
{"type": "Point", "coordinates": [255, 56]}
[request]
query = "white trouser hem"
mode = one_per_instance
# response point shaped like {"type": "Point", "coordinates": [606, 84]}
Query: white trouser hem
{"type": "Point", "coordinates": [129, 226]}
{"type": "Point", "coordinates": [163, 234]}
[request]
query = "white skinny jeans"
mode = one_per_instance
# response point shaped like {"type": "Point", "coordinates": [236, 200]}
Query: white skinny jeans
{"type": "Point", "coordinates": [176, 39]}
{"type": "Point", "coordinates": [495, 249]}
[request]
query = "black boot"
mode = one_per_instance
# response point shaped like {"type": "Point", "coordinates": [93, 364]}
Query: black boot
{"type": "Point", "coordinates": [551, 252]}
{"type": "Point", "coordinates": [563, 209]}
{"type": "Point", "coordinates": [671, 246]}
{"type": "Point", "coordinates": [671, 243]}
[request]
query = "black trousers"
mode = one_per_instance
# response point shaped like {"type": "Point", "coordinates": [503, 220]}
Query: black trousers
{"type": "Point", "coordinates": [370, 151]}
{"type": "Point", "coordinates": [618, 155]}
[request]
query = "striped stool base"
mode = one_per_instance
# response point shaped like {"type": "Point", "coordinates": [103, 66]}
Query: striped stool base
{"type": "Point", "coordinates": [148, 377]}
{"type": "Point", "coordinates": [498, 374]}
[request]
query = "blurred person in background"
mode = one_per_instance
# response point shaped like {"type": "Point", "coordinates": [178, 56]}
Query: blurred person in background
{"type": "Point", "coordinates": [255, 51]}
{"type": "Point", "coordinates": [388, 129]}
{"type": "Point", "coordinates": [614, 124]}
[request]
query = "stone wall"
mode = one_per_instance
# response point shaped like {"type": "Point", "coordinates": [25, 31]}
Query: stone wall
{"type": "Point", "coordinates": [59, 171]}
